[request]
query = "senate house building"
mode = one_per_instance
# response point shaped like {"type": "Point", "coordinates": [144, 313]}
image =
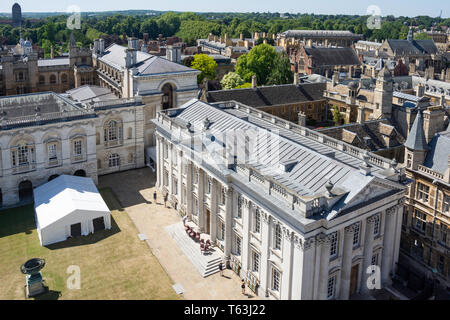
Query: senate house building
{"type": "Point", "coordinates": [297, 214]}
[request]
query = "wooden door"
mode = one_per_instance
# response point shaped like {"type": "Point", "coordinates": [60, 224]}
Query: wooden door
{"type": "Point", "coordinates": [208, 221]}
{"type": "Point", "coordinates": [354, 279]}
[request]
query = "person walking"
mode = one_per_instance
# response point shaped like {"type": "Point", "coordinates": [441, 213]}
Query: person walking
{"type": "Point", "coordinates": [243, 286]}
{"type": "Point", "coordinates": [165, 200]}
{"type": "Point", "coordinates": [155, 196]}
{"type": "Point", "coordinates": [221, 269]}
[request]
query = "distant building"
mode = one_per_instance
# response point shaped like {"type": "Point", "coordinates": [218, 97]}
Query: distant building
{"type": "Point", "coordinates": [21, 71]}
{"type": "Point", "coordinates": [298, 103]}
{"type": "Point", "coordinates": [317, 38]}
{"type": "Point", "coordinates": [324, 60]}
{"type": "Point", "coordinates": [16, 15]}
{"type": "Point", "coordinates": [425, 244]}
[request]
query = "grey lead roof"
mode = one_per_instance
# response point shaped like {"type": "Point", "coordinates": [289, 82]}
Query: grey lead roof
{"type": "Point", "coordinates": [316, 163]}
{"type": "Point", "coordinates": [438, 156]}
{"type": "Point", "coordinates": [147, 64]}
{"type": "Point", "coordinates": [53, 62]}
{"type": "Point", "coordinates": [416, 138]}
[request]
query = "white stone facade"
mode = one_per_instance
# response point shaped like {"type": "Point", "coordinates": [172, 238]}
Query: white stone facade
{"type": "Point", "coordinates": [270, 235]}
{"type": "Point", "coordinates": [104, 138]}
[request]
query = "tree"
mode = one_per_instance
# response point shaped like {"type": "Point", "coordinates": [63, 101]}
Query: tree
{"type": "Point", "coordinates": [244, 86]}
{"type": "Point", "coordinates": [421, 36]}
{"type": "Point", "coordinates": [337, 116]}
{"type": "Point", "coordinates": [281, 71]}
{"type": "Point", "coordinates": [206, 65]}
{"type": "Point", "coordinates": [259, 61]}
{"type": "Point", "coordinates": [231, 80]}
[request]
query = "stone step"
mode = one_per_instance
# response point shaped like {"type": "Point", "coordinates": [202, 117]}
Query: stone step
{"type": "Point", "coordinates": [206, 265]}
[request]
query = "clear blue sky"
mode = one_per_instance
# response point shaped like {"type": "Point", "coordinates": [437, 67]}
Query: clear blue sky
{"type": "Point", "coordinates": [394, 7]}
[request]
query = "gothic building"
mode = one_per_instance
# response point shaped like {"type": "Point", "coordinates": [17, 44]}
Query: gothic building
{"type": "Point", "coordinates": [22, 72]}
{"type": "Point", "coordinates": [296, 213]}
{"type": "Point", "coordinates": [425, 245]}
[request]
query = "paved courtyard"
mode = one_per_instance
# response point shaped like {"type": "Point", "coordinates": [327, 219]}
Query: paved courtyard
{"type": "Point", "coordinates": [134, 189]}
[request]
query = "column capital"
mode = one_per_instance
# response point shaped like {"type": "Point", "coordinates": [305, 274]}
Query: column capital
{"type": "Point", "coordinates": [265, 216]}
{"type": "Point", "coordinates": [372, 219]}
{"type": "Point", "coordinates": [350, 229]}
{"type": "Point", "coordinates": [288, 235]}
{"type": "Point", "coordinates": [323, 239]}
{"type": "Point", "coordinates": [391, 211]}
{"type": "Point", "coordinates": [303, 244]}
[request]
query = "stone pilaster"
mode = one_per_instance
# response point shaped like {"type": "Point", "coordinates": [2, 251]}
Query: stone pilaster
{"type": "Point", "coordinates": [228, 222]}
{"type": "Point", "coordinates": [368, 252]}
{"type": "Point", "coordinates": [213, 213]}
{"type": "Point", "coordinates": [288, 256]}
{"type": "Point", "coordinates": [189, 196]}
{"type": "Point", "coordinates": [201, 197]}
{"type": "Point", "coordinates": [388, 245]}
{"type": "Point", "coordinates": [324, 244]}
{"type": "Point", "coordinates": [347, 255]}
{"type": "Point", "coordinates": [247, 208]}
{"type": "Point", "coordinates": [170, 169]}
{"type": "Point", "coordinates": [265, 224]}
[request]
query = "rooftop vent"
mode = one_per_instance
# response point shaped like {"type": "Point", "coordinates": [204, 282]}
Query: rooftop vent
{"type": "Point", "coordinates": [288, 165]}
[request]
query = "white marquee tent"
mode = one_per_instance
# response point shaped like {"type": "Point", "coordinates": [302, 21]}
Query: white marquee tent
{"type": "Point", "coordinates": [67, 204]}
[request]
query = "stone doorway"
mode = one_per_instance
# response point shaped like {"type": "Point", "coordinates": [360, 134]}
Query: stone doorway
{"type": "Point", "coordinates": [354, 279]}
{"type": "Point", "coordinates": [208, 221]}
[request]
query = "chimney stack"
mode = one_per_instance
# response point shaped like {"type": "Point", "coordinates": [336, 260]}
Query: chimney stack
{"type": "Point", "coordinates": [296, 78]}
{"type": "Point", "coordinates": [254, 85]}
{"type": "Point", "coordinates": [420, 90]}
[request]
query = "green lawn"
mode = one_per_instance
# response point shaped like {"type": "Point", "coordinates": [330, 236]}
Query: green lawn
{"type": "Point", "coordinates": [114, 263]}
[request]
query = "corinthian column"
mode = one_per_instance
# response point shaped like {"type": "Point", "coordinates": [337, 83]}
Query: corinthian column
{"type": "Point", "coordinates": [388, 245]}
{"type": "Point", "coordinates": [228, 222]}
{"type": "Point", "coordinates": [368, 252]}
{"type": "Point", "coordinates": [347, 254]}
{"type": "Point", "coordinates": [325, 244]}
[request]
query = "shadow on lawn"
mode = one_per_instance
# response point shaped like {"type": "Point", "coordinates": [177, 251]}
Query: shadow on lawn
{"type": "Point", "coordinates": [89, 239]}
{"type": "Point", "coordinates": [135, 181]}
{"type": "Point", "coordinates": [17, 220]}
{"type": "Point", "coordinates": [49, 295]}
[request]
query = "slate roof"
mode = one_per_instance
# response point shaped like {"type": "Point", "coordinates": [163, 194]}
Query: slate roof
{"type": "Point", "coordinates": [90, 93]}
{"type": "Point", "coordinates": [270, 95]}
{"type": "Point", "coordinates": [437, 157]}
{"type": "Point", "coordinates": [415, 47]}
{"type": "Point", "coordinates": [368, 136]}
{"type": "Point", "coordinates": [53, 62]}
{"type": "Point", "coordinates": [147, 64]}
{"type": "Point", "coordinates": [332, 56]}
{"type": "Point", "coordinates": [416, 138]}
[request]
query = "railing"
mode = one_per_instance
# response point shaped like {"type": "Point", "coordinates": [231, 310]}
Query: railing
{"type": "Point", "coordinates": [113, 143]}
{"type": "Point", "coordinates": [53, 162]}
{"type": "Point", "coordinates": [78, 158]}
{"type": "Point", "coordinates": [430, 172]}
{"type": "Point", "coordinates": [24, 168]}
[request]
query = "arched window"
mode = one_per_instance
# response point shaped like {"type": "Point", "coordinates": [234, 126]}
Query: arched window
{"type": "Point", "coordinates": [113, 132]}
{"type": "Point", "coordinates": [64, 78]}
{"type": "Point", "coordinates": [167, 98]}
{"type": "Point", "coordinates": [52, 79]}
{"type": "Point", "coordinates": [114, 160]}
